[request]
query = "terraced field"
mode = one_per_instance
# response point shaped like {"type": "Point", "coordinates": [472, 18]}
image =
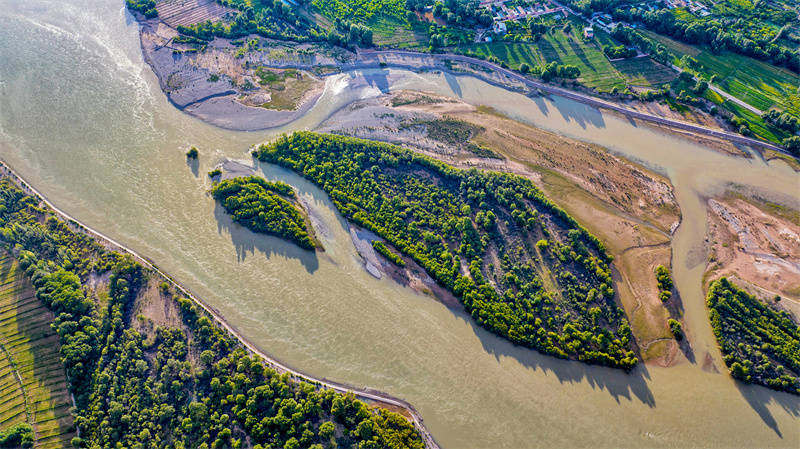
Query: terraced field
{"type": "Point", "coordinates": [190, 12]}
{"type": "Point", "coordinates": [32, 380]}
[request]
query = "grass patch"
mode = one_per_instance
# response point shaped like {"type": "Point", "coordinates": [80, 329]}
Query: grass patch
{"type": "Point", "coordinates": [286, 87]}
{"type": "Point", "coordinates": [390, 31]}
{"type": "Point", "coordinates": [757, 125]}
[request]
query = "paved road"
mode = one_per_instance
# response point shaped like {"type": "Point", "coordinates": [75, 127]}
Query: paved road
{"type": "Point", "coordinates": [726, 95]}
{"type": "Point", "coordinates": [377, 396]}
{"type": "Point", "coordinates": [426, 60]}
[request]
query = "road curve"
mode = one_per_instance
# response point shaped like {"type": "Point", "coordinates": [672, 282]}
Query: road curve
{"type": "Point", "coordinates": [376, 396]}
{"type": "Point", "coordinates": [364, 57]}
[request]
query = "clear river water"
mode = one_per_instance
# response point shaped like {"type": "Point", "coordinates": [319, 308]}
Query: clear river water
{"type": "Point", "coordinates": [83, 119]}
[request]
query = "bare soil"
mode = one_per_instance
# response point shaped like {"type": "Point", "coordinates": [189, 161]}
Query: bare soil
{"type": "Point", "coordinates": [758, 245]}
{"type": "Point", "coordinates": [631, 209]}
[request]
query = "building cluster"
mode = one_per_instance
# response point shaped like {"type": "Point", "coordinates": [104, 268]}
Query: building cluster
{"type": "Point", "coordinates": [515, 10]}
{"type": "Point", "coordinates": [695, 7]}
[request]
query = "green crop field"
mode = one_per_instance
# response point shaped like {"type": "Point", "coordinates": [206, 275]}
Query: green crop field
{"type": "Point", "coordinates": [596, 70]}
{"type": "Point", "coordinates": [32, 380]}
{"type": "Point", "coordinates": [644, 72]}
{"type": "Point", "coordinates": [390, 31]}
{"type": "Point", "coordinates": [754, 82]}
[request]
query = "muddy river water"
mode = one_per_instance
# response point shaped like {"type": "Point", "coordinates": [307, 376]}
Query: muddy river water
{"type": "Point", "coordinates": [83, 119]}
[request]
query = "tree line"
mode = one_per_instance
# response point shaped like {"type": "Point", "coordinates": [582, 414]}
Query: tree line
{"type": "Point", "coordinates": [718, 34]}
{"type": "Point", "coordinates": [138, 384]}
{"type": "Point", "coordinates": [759, 343]}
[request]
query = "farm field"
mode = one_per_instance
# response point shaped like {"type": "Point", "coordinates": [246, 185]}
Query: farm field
{"type": "Point", "coordinates": [754, 82]}
{"type": "Point", "coordinates": [390, 31]}
{"type": "Point", "coordinates": [32, 379]}
{"type": "Point", "coordinates": [596, 70]}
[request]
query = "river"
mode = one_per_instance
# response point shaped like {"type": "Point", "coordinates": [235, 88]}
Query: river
{"type": "Point", "coordinates": [82, 118]}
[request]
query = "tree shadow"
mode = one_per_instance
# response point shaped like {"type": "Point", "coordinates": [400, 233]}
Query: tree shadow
{"type": "Point", "coordinates": [452, 81]}
{"type": "Point", "coordinates": [675, 309]}
{"type": "Point", "coordinates": [194, 166]}
{"type": "Point", "coordinates": [578, 50]}
{"type": "Point", "coordinates": [549, 53]}
{"type": "Point", "coordinates": [376, 78]}
{"type": "Point", "coordinates": [248, 242]}
{"type": "Point", "coordinates": [541, 104]}
{"type": "Point", "coordinates": [581, 114]}
{"type": "Point", "coordinates": [758, 397]}
{"type": "Point", "coordinates": [616, 382]}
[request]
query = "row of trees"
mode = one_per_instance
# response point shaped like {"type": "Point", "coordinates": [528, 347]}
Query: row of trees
{"type": "Point", "coordinates": [782, 120]}
{"type": "Point", "coordinates": [383, 250]}
{"type": "Point", "coordinates": [759, 343]}
{"type": "Point", "coordinates": [619, 52]}
{"type": "Point", "coordinates": [472, 231]}
{"type": "Point", "coordinates": [266, 207]}
{"type": "Point", "coordinates": [552, 70]}
{"type": "Point", "coordinates": [718, 34]}
{"type": "Point", "coordinates": [347, 34]}
{"type": "Point", "coordinates": [191, 385]}
{"type": "Point", "coordinates": [461, 13]}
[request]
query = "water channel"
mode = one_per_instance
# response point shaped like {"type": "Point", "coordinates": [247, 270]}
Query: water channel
{"type": "Point", "coordinates": [82, 118]}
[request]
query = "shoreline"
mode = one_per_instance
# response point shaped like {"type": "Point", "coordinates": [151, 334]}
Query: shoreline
{"type": "Point", "coordinates": [364, 393]}
{"type": "Point", "coordinates": [217, 105]}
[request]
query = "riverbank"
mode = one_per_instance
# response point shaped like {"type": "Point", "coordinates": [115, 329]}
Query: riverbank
{"type": "Point", "coordinates": [372, 396]}
{"type": "Point", "coordinates": [632, 209]}
{"type": "Point", "coordinates": [214, 86]}
{"type": "Point", "coordinates": [756, 244]}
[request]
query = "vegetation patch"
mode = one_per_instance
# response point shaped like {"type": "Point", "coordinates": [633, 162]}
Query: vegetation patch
{"type": "Point", "coordinates": [455, 133]}
{"type": "Point", "coordinates": [759, 343]}
{"type": "Point", "coordinates": [19, 436]}
{"type": "Point", "coordinates": [381, 248]}
{"type": "Point", "coordinates": [664, 280]}
{"type": "Point", "coordinates": [476, 234]}
{"type": "Point", "coordinates": [37, 395]}
{"type": "Point", "coordinates": [266, 207]}
{"type": "Point", "coordinates": [188, 385]}
{"type": "Point", "coordinates": [675, 328]}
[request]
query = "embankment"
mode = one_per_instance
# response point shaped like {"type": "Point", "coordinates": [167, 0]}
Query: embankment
{"type": "Point", "coordinates": [373, 396]}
